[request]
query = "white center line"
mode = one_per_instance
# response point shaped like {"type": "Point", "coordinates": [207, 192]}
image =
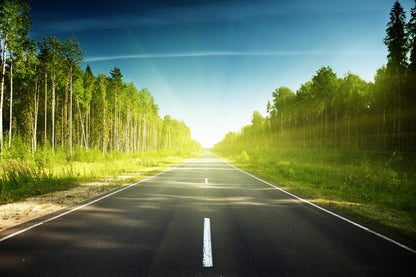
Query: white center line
{"type": "Point", "coordinates": [206, 180]}
{"type": "Point", "coordinates": [207, 251]}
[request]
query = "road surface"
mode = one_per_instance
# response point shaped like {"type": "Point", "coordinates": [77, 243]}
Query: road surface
{"type": "Point", "coordinates": [202, 218]}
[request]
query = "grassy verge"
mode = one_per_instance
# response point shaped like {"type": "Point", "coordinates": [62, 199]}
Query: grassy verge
{"type": "Point", "coordinates": [47, 172]}
{"type": "Point", "coordinates": [376, 188]}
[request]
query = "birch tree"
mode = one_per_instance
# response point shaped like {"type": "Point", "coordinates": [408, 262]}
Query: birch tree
{"type": "Point", "coordinates": [15, 24]}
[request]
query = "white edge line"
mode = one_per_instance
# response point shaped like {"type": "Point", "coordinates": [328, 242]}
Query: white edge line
{"type": "Point", "coordinates": [327, 211]}
{"type": "Point", "coordinates": [84, 205]}
{"type": "Point", "coordinates": [207, 250]}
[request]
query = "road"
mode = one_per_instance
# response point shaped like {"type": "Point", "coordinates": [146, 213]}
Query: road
{"type": "Point", "coordinates": [202, 218]}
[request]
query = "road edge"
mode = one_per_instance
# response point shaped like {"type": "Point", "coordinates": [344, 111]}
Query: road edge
{"type": "Point", "coordinates": [26, 226]}
{"type": "Point", "coordinates": [325, 210]}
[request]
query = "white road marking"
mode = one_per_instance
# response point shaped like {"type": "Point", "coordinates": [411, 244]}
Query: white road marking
{"type": "Point", "coordinates": [327, 211]}
{"type": "Point", "coordinates": [207, 251]}
{"type": "Point", "coordinates": [206, 180]}
{"type": "Point", "coordinates": [82, 206]}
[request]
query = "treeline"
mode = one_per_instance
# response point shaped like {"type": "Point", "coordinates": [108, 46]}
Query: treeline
{"type": "Point", "coordinates": [48, 100]}
{"type": "Point", "coordinates": [348, 112]}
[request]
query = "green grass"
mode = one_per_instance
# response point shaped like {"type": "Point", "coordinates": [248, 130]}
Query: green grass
{"type": "Point", "coordinates": [376, 188]}
{"type": "Point", "coordinates": [48, 172]}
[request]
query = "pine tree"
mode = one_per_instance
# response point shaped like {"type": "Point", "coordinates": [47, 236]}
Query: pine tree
{"type": "Point", "coordinates": [396, 40]}
{"type": "Point", "coordinates": [412, 40]}
{"type": "Point", "coordinates": [397, 45]}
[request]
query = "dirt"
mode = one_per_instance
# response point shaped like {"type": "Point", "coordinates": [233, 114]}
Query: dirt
{"type": "Point", "coordinates": [19, 212]}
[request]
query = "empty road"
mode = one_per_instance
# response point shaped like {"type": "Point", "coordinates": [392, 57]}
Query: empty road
{"type": "Point", "coordinates": [202, 218]}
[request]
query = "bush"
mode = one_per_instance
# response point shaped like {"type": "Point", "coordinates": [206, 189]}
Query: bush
{"type": "Point", "coordinates": [244, 156]}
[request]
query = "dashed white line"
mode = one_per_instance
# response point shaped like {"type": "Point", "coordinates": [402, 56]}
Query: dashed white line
{"type": "Point", "coordinates": [206, 180]}
{"type": "Point", "coordinates": [207, 250]}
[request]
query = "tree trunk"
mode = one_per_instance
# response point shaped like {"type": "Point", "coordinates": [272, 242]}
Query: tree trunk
{"type": "Point", "coordinates": [83, 137]}
{"type": "Point", "coordinates": [335, 130]}
{"type": "Point", "coordinates": [53, 112]}
{"type": "Point", "coordinates": [46, 108]}
{"type": "Point", "coordinates": [127, 140]}
{"type": "Point", "coordinates": [65, 109]}
{"type": "Point", "coordinates": [11, 106]}
{"type": "Point", "coordinates": [70, 115]}
{"type": "Point", "coordinates": [35, 121]}
{"type": "Point", "coordinates": [3, 72]}
{"type": "Point", "coordinates": [115, 122]}
{"type": "Point", "coordinates": [105, 126]}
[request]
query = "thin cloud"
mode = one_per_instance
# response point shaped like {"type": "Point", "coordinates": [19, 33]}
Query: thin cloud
{"type": "Point", "coordinates": [230, 53]}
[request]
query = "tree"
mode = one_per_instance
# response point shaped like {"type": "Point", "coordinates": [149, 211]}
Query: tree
{"type": "Point", "coordinates": [412, 39]}
{"type": "Point", "coordinates": [324, 87]}
{"type": "Point", "coordinates": [396, 40]}
{"type": "Point", "coordinates": [14, 27]}
{"type": "Point", "coordinates": [72, 55]}
{"type": "Point", "coordinates": [116, 82]}
{"type": "Point", "coordinates": [410, 96]}
{"type": "Point", "coordinates": [20, 57]}
{"type": "Point", "coordinates": [280, 115]}
{"type": "Point", "coordinates": [52, 60]}
{"type": "Point", "coordinates": [101, 128]}
{"type": "Point", "coordinates": [307, 112]}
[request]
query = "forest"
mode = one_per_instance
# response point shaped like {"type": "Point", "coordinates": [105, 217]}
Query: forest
{"type": "Point", "coordinates": [346, 112]}
{"type": "Point", "coordinates": [346, 142]}
{"type": "Point", "coordinates": [52, 111]}
{"type": "Point", "coordinates": [48, 100]}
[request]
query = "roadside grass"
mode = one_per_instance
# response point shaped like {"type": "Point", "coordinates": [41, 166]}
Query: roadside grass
{"type": "Point", "coordinates": [47, 172]}
{"type": "Point", "coordinates": [376, 188]}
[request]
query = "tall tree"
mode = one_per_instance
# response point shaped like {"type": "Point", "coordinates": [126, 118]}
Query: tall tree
{"type": "Point", "coordinates": [51, 53]}
{"type": "Point", "coordinates": [14, 27]}
{"type": "Point", "coordinates": [396, 40]}
{"type": "Point", "coordinates": [412, 40]}
{"type": "Point", "coordinates": [101, 128]}
{"type": "Point", "coordinates": [20, 52]}
{"type": "Point", "coordinates": [117, 82]}
{"type": "Point", "coordinates": [280, 116]}
{"type": "Point", "coordinates": [324, 86]}
{"type": "Point", "coordinates": [72, 56]}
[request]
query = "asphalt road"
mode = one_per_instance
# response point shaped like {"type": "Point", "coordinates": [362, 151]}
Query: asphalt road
{"type": "Point", "coordinates": [202, 218]}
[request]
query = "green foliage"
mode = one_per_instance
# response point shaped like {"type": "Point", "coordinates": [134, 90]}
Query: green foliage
{"type": "Point", "coordinates": [20, 179]}
{"type": "Point", "coordinates": [50, 171]}
{"type": "Point", "coordinates": [370, 180]}
{"type": "Point", "coordinates": [244, 156]}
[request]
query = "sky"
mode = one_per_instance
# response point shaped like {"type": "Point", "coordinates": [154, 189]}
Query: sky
{"type": "Point", "coordinates": [212, 63]}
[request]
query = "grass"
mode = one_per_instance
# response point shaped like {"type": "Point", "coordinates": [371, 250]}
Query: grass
{"type": "Point", "coordinates": [376, 188]}
{"type": "Point", "coordinates": [48, 172]}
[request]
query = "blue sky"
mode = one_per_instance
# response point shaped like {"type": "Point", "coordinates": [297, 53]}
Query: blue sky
{"type": "Point", "coordinates": [212, 63]}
